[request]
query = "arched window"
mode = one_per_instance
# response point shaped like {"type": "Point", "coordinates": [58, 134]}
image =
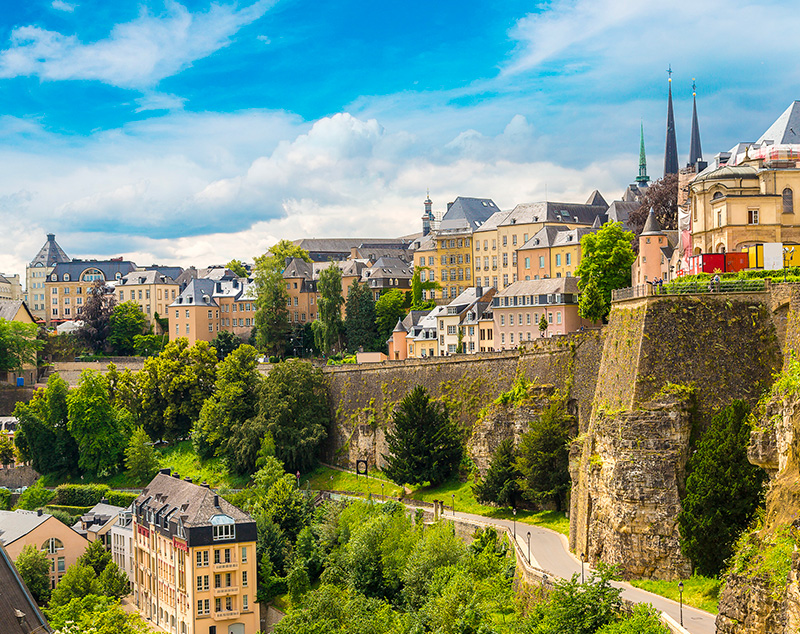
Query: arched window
{"type": "Point", "coordinates": [716, 195]}
{"type": "Point", "coordinates": [788, 201]}
{"type": "Point", "coordinates": [90, 275]}
{"type": "Point", "coordinates": [52, 545]}
{"type": "Point", "coordinates": [66, 277]}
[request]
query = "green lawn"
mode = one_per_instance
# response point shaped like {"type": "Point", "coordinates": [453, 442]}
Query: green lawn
{"type": "Point", "coordinates": [327, 479]}
{"type": "Point", "coordinates": [700, 592]}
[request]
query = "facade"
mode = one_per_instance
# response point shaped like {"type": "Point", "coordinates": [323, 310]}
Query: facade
{"type": "Point", "coordinates": [152, 290]}
{"type": "Point", "coordinates": [17, 310]}
{"type": "Point", "coordinates": [10, 288]}
{"type": "Point", "coordinates": [37, 273]}
{"type": "Point", "coordinates": [387, 274]}
{"type": "Point", "coordinates": [656, 247]}
{"type": "Point", "coordinates": [423, 337]}
{"type": "Point", "coordinates": [519, 309]}
{"type": "Point", "coordinates": [62, 545]}
{"type": "Point", "coordinates": [121, 540]}
{"type": "Point", "coordinates": [301, 284]}
{"type": "Point", "coordinates": [195, 557]}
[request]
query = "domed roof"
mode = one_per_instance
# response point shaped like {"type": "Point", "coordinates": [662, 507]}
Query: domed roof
{"type": "Point", "coordinates": [727, 172]}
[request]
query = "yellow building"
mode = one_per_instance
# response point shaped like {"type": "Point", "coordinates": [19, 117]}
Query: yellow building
{"type": "Point", "coordinates": [746, 196]}
{"type": "Point", "coordinates": [37, 273]}
{"type": "Point", "coordinates": [195, 559]}
{"type": "Point", "coordinates": [206, 307]}
{"type": "Point", "coordinates": [153, 290]}
{"type": "Point", "coordinates": [10, 288]}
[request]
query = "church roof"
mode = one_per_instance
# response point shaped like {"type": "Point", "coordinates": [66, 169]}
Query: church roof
{"type": "Point", "coordinates": [50, 254]}
{"type": "Point", "coordinates": [786, 128]}
{"type": "Point", "coordinates": [671, 148]}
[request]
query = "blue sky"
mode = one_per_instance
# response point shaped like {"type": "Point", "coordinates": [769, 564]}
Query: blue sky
{"type": "Point", "coordinates": [193, 132]}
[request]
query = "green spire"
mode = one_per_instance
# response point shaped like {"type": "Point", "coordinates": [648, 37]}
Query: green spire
{"type": "Point", "coordinates": [642, 178]}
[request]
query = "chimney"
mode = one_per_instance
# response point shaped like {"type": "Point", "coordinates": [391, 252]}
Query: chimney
{"type": "Point", "coordinates": [205, 485]}
{"type": "Point", "coordinates": [164, 471]}
{"type": "Point", "coordinates": [39, 512]}
{"type": "Point", "coordinates": [176, 475]}
{"type": "Point", "coordinates": [188, 479]}
{"type": "Point", "coordinates": [449, 205]}
{"type": "Point", "coordinates": [216, 501]}
{"type": "Point", "coordinates": [104, 500]}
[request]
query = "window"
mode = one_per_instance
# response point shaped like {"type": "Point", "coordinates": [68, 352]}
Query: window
{"type": "Point", "coordinates": [511, 320]}
{"type": "Point", "coordinates": [527, 263]}
{"type": "Point", "coordinates": [203, 606]}
{"type": "Point", "coordinates": [187, 329]}
{"type": "Point", "coordinates": [541, 261]}
{"type": "Point", "coordinates": [121, 295]}
{"type": "Point", "coordinates": [245, 603]}
{"type": "Point", "coordinates": [217, 605]}
{"type": "Point", "coordinates": [244, 578]}
{"type": "Point", "coordinates": [505, 259]}
{"type": "Point", "coordinates": [569, 259]}
{"type": "Point", "coordinates": [61, 565]}
{"type": "Point", "coordinates": [505, 280]}
{"type": "Point", "coordinates": [451, 330]}
{"type": "Point", "coordinates": [719, 218]}
{"type": "Point", "coordinates": [187, 313]}
{"type": "Point", "coordinates": [558, 317]}
{"type": "Point", "coordinates": [210, 313]}
{"type": "Point", "coordinates": [502, 320]}
{"type": "Point", "coordinates": [514, 240]}
{"type": "Point", "coordinates": [216, 555]}
{"type": "Point", "coordinates": [52, 545]}
{"type": "Point", "coordinates": [558, 259]}
{"type": "Point", "coordinates": [202, 583]}
{"type": "Point", "coordinates": [505, 241]}
{"type": "Point", "coordinates": [752, 216]}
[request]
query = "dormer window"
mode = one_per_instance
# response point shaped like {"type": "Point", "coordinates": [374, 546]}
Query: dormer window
{"type": "Point", "coordinates": [66, 277]}
{"type": "Point", "coordinates": [223, 527]}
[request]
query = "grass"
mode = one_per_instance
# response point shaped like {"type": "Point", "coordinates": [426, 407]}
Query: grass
{"type": "Point", "coordinates": [698, 591]}
{"type": "Point", "coordinates": [327, 479]}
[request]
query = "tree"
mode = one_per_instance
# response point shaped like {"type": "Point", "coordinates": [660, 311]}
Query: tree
{"type": "Point", "coordinates": [237, 267]}
{"type": "Point", "coordinates": [79, 581]}
{"type": "Point", "coordinates": [388, 309]}
{"type": "Point", "coordinates": [141, 459]}
{"type": "Point", "coordinates": [98, 428]}
{"type": "Point", "coordinates": [591, 305]}
{"type": "Point", "coordinates": [149, 345]}
{"type": "Point", "coordinates": [543, 324]}
{"type": "Point", "coordinates": [417, 288]}
{"type": "Point", "coordinates": [34, 568]}
{"type": "Point", "coordinates": [174, 385]}
{"type": "Point", "coordinates": [606, 258]}
{"type": "Point", "coordinates": [276, 255]}
{"type": "Point", "coordinates": [662, 196]}
{"type": "Point", "coordinates": [96, 316]}
{"type": "Point", "coordinates": [293, 408]}
{"type": "Point", "coordinates": [127, 321]}
{"type": "Point", "coordinates": [18, 345]}
{"type": "Point", "coordinates": [7, 453]}
{"type": "Point", "coordinates": [499, 485]}
{"type": "Point", "coordinates": [359, 323]}
{"type": "Point", "coordinates": [543, 458]}
{"type": "Point", "coordinates": [723, 491]}
{"type": "Point", "coordinates": [234, 401]}
{"type": "Point", "coordinates": [424, 443]}
{"type": "Point", "coordinates": [225, 343]}
{"type": "Point", "coordinates": [272, 314]}
{"type": "Point", "coordinates": [95, 614]}
{"type": "Point", "coordinates": [113, 582]}
{"type": "Point", "coordinates": [328, 327]}
{"type": "Point", "coordinates": [96, 557]}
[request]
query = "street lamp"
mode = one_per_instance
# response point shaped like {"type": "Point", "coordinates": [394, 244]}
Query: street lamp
{"type": "Point", "coordinates": [298, 479]}
{"type": "Point", "coordinates": [680, 590]}
{"type": "Point", "coordinates": [529, 548]}
{"type": "Point", "coordinates": [514, 511]}
{"type": "Point", "coordinates": [583, 560]}
{"type": "Point", "coordinates": [382, 496]}
{"type": "Point", "coordinates": [454, 504]}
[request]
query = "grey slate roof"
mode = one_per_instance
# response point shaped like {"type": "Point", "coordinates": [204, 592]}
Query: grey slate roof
{"type": "Point", "coordinates": [16, 524]}
{"type": "Point", "coordinates": [170, 271]}
{"type": "Point", "coordinates": [146, 277]}
{"type": "Point", "coordinates": [400, 327]}
{"type": "Point", "coordinates": [572, 236]}
{"type": "Point", "coordinates": [651, 226]}
{"type": "Point", "coordinates": [388, 268]}
{"type": "Point", "coordinates": [413, 317]}
{"type": "Point", "coordinates": [10, 307]}
{"type": "Point", "coordinates": [786, 128]}
{"type": "Point", "coordinates": [494, 221]}
{"type": "Point", "coordinates": [199, 292]}
{"type": "Point", "coordinates": [16, 600]}
{"type": "Point", "coordinates": [526, 213]}
{"type": "Point", "coordinates": [558, 285]}
{"type": "Point", "coordinates": [596, 199]}
{"type": "Point", "coordinates": [728, 171]}
{"type": "Point", "coordinates": [620, 210]}
{"type": "Point", "coordinates": [194, 503]}
{"type": "Point", "coordinates": [467, 214]}
{"type": "Point", "coordinates": [111, 269]}
{"type": "Point", "coordinates": [545, 237]}
{"type": "Point", "coordinates": [50, 254]}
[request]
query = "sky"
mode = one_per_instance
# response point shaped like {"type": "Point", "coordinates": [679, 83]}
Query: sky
{"type": "Point", "coordinates": [191, 132]}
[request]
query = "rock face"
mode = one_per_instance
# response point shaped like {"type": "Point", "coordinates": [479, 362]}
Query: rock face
{"type": "Point", "coordinates": [631, 468]}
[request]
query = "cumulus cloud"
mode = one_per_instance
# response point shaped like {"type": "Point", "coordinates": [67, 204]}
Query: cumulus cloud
{"type": "Point", "coordinates": [137, 54]}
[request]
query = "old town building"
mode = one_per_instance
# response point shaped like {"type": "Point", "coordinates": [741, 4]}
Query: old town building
{"type": "Point", "coordinates": [37, 273]}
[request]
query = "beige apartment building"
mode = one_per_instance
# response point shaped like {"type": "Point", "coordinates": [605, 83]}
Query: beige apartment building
{"type": "Point", "coordinates": [37, 273]}
{"type": "Point", "coordinates": [152, 290]}
{"type": "Point", "coordinates": [206, 307]}
{"type": "Point", "coordinates": [195, 559]}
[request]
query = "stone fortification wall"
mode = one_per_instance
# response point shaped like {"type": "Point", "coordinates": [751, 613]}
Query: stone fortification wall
{"type": "Point", "coordinates": [363, 397]}
{"type": "Point", "coordinates": [70, 371]}
{"type": "Point", "coordinates": [19, 476]}
{"type": "Point", "coordinates": [10, 396]}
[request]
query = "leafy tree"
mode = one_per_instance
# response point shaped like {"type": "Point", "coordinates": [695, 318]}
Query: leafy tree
{"type": "Point", "coordinates": [225, 343]}
{"type": "Point", "coordinates": [34, 568]}
{"type": "Point", "coordinates": [96, 316]}
{"type": "Point", "coordinates": [127, 321]}
{"type": "Point", "coordinates": [98, 428]}
{"type": "Point", "coordinates": [418, 286]}
{"type": "Point", "coordinates": [543, 458]}
{"type": "Point", "coordinates": [543, 324]}
{"type": "Point", "coordinates": [18, 345]}
{"type": "Point", "coordinates": [162, 324]}
{"type": "Point", "coordinates": [388, 309]}
{"type": "Point", "coordinates": [359, 323]}
{"type": "Point", "coordinates": [424, 444]}
{"type": "Point", "coordinates": [285, 506]}
{"type": "Point", "coordinates": [60, 347]}
{"type": "Point", "coordinates": [95, 614]}
{"type": "Point", "coordinates": [35, 497]}
{"type": "Point", "coordinates": [42, 435]}
{"type": "Point", "coordinates": [662, 196]}
{"type": "Point", "coordinates": [149, 345]}
{"type": "Point", "coordinates": [302, 340]}
{"type": "Point", "coordinates": [293, 408]}
{"type": "Point", "coordinates": [141, 459]}
{"type": "Point", "coordinates": [78, 582]}
{"type": "Point", "coordinates": [644, 619]}
{"type": "Point", "coordinates": [328, 327]}
{"type": "Point", "coordinates": [276, 255]}
{"type": "Point", "coordinates": [723, 491]}
{"type": "Point", "coordinates": [113, 582]}
{"type": "Point", "coordinates": [96, 557]}
{"type": "Point", "coordinates": [173, 386]}
{"type": "Point", "coordinates": [499, 485]}
{"type": "Point", "coordinates": [272, 315]}
{"type": "Point", "coordinates": [592, 305]}
{"type": "Point", "coordinates": [237, 267]}
{"type": "Point", "coordinates": [7, 453]}
{"type": "Point", "coordinates": [606, 258]}
{"type": "Point", "coordinates": [234, 401]}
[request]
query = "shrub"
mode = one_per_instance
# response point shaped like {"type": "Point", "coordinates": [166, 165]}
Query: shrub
{"type": "Point", "coordinates": [120, 498]}
{"type": "Point", "coordinates": [80, 494]}
{"type": "Point", "coordinates": [35, 497]}
{"type": "Point", "coordinates": [5, 499]}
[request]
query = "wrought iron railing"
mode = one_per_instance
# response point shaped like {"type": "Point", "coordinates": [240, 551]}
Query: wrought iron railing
{"type": "Point", "coordinates": [688, 287]}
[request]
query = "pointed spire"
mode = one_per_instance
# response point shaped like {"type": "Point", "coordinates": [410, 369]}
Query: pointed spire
{"type": "Point", "coordinates": [671, 150]}
{"type": "Point", "coordinates": [642, 178]}
{"type": "Point", "coordinates": [652, 226]}
{"type": "Point", "coordinates": [695, 151]}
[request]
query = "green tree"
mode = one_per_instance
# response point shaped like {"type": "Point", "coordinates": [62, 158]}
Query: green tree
{"type": "Point", "coordinates": [424, 443]}
{"type": "Point", "coordinates": [225, 343]}
{"type": "Point", "coordinates": [42, 435]}
{"type": "Point", "coordinates": [276, 255]}
{"type": "Point", "coordinates": [418, 286]}
{"type": "Point", "coordinates": [113, 582]}
{"type": "Point", "coordinates": [95, 614]}
{"type": "Point", "coordinates": [35, 497]}
{"type": "Point", "coordinates": [606, 258]}
{"type": "Point", "coordinates": [98, 428]}
{"type": "Point", "coordinates": [78, 582]}
{"type": "Point", "coordinates": [141, 459]}
{"type": "Point", "coordinates": [18, 345]}
{"type": "Point", "coordinates": [237, 267]}
{"type": "Point", "coordinates": [272, 314]}
{"type": "Point", "coordinates": [723, 491]}
{"type": "Point", "coordinates": [7, 453]}
{"type": "Point", "coordinates": [359, 322]}
{"type": "Point", "coordinates": [328, 327]}
{"type": "Point", "coordinates": [293, 408]}
{"type": "Point", "coordinates": [234, 401]}
{"type": "Point", "coordinates": [127, 321]}
{"type": "Point", "coordinates": [644, 619]}
{"type": "Point", "coordinates": [96, 557]}
{"type": "Point", "coordinates": [543, 458]}
{"type": "Point", "coordinates": [34, 568]}
{"type": "Point", "coordinates": [543, 324]}
{"type": "Point", "coordinates": [388, 309]}
{"type": "Point", "coordinates": [173, 387]}
{"type": "Point", "coordinates": [499, 485]}
{"type": "Point", "coordinates": [96, 316]}
{"type": "Point", "coordinates": [149, 345]}
{"type": "Point", "coordinates": [591, 305]}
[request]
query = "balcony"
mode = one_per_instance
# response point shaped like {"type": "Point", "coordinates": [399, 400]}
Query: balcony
{"type": "Point", "coordinates": [226, 615]}
{"type": "Point", "coordinates": [225, 591]}
{"type": "Point", "coordinates": [231, 565]}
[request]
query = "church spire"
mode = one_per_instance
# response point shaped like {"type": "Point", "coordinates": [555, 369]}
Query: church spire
{"type": "Point", "coordinates": [642, 178]}
{"type": "Point", "coordinates": [671, 150]}
{"type": "Point", "coordinates": [695, 151]}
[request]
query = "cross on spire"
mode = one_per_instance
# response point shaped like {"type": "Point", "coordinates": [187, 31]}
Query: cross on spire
{"type": "Point", "coordinates": [669, 72]}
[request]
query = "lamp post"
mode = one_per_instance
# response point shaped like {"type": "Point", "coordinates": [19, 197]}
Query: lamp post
{"type": "Point", "coordinates": [514, 511]}
{"type": "Point", "coordinates": [583, 560]}
{"type": "Point", "coordinates": [454, 503]}
{"type": "Point", "coordinates": [680, 591]}
{"type": "Point", "coordinates": [298, 479]}
{"type": "Point", "coordinates": [529, 548]}
{"type": "Point", "coordinates": [383, 497]}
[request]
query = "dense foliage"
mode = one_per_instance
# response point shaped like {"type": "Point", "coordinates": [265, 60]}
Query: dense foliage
{"type": "Point", "coordinates": [500, 485]}
{"type": "Point", "coordinates": [390, 307]}
{"type": "Point", "coordinates": [126, 322]}
{"type": "Point", "coordinates": [34, 568]}
{"type": "Point", "coordinates": [359, 323]}
{"type": "Point", "coordinates": [329, 327]}
{"type": "Point", "coordinates": [18, 345]}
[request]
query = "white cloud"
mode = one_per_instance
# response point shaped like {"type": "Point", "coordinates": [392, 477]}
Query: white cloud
{"type": "Point", "coordinates": [60, 5]}
{"type": "Point", "coordinates": [136, 54]}
{"type": "Point", "coordinates": [159, 101]}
